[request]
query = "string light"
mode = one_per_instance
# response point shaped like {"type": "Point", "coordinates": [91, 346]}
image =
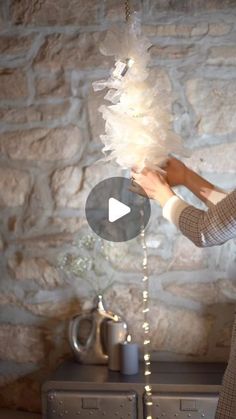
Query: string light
{"type": "Point", "coordinates": [146, 327]}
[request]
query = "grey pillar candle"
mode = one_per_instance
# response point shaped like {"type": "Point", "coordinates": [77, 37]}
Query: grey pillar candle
{"type": "Point", "coordinates": [116, 334]}
{"type": "Point", "coordinates": [129, 358]}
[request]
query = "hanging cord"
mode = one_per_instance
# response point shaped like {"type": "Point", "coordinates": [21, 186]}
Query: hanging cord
{"type": "Point", "coordinates": [127, 10]}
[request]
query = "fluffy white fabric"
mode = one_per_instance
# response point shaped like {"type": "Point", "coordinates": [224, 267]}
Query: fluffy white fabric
{"type": "Point", "coordinates": [138, 131]}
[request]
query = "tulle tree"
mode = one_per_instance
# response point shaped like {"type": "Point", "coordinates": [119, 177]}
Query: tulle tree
{"type": "Point", "coordinates": [138, 128]}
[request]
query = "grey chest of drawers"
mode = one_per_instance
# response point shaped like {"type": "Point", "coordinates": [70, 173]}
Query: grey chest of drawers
{"type": "Point", "coordinates": [180, 391]}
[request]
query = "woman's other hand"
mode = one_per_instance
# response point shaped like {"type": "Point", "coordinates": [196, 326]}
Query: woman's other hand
{"type": "Point", "coordinates": [176, 172]}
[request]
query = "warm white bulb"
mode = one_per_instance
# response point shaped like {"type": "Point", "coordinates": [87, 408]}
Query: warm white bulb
{"type": "Point", "coordinates": [147, 372]}
{"type": "Point", "coordinates": [145, 310]}
{"type": "Point", "coordinates": [128, 338]}
{"type": "Point", "coordinates": [130, 62]}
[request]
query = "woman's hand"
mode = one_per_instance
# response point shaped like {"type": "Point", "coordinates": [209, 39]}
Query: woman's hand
{"type": "Point", "coordinates": [153, 183]}
{"type": "Point", "coordinates": [176, 172]}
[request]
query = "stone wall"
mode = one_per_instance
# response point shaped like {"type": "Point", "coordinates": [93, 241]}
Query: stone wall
{"type": "Point", "coordinates": [49, 145]}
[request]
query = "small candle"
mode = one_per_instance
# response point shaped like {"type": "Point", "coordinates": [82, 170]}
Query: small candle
{"type": "Point", "coordinates": [116, 334]}
{"type": "Point", "coordinates": [129, 357]}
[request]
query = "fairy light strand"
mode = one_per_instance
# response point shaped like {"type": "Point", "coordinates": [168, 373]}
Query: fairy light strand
{"type": "Point", "coordinates": [146, 330]}
{"type": "Point", "coordinates": [146, 327]}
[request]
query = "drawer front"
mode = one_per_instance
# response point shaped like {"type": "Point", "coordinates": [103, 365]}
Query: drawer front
{"type": "Point", "coordinates": [184, 406]}
{"type": "Point", "coordinates": [91, 404]}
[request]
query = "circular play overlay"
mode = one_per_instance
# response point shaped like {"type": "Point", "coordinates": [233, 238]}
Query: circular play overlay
{"type": "Point", "coordinates": [114, 212]}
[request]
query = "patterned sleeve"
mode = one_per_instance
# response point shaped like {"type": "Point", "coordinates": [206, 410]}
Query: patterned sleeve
{"type": "Point", "coordinates": [212, 227]}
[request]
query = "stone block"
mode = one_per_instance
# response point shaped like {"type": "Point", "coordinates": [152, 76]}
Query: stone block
{"type": "Point", "coordinates": [133, 263]}
{"type": "Point", "coordinates": [36, 269]}
{"type": "Point", "coordinates": [12, 115]}
{"type": "Point", "coordinates": [205, 293]}
{"type": "Point", "coordinates": [173, 329]}
{"type": "Point", "coordinates": [215, 158]}
{"type": "Point", "coordinates": [227, 289]}
{"type": "Point", "coordinates": [224, 336]}
{"type": "Point", "coordinates": [13, 84]}
{"type": "Point", "coordinates": [14, 187]}
{"type": "Point", "coordinates": [10, 45]}
{"type": "Point", "coordinates": [188, 6]}
{"type": "Point", "coordinates": [33, 220]}
{"type": "Point", "coordinates": [46, 241]}
{"type": "Point", "coordinates": [24, 343]}
{"type": "Point", "coordinates": [7, 298]}
{"type": "Point", "coordinates": [222, 55]}
{"type": "Point", "coordinates": [2, 245]}
{"type": "Point", "coordinates": [123, 258]}
{"type": "Point", "coordinates": [2, 20]}
{"type": "Point", "coordinates": [176, 31]}
{"type": "Point", "coordinates": [95, 173]}
{"type": "Point", "coordinates": [66, 185]}
{"type": "Point", "coordinates": [180, 330]}
{"type": "Point", "coordinates": [52, 85]}
{"type": "Point", "coordinates": [52, 12]}
{"type": "Point", "coordinates": [96, 122]}
{"type": "Point", "coordinates": [115, 10]}
{"type": "Point", "coordinates": [60, 310]}
{"type": "Point", "coordinates": [51, 111]}
{"type": "Point", "coordinates": [149, 30]}
{"type": "Point", "coordinates": [219, 29]}
{"type": "Point", "coordinates": [60, 51]}
{"type": "Point", "coordinates": [43, 144]}
{"type": "Point", "coordinates": [67, 224]}
{"type": "Point", "coordinates": [200, 29]}
{"type": "Point", "coordinates": [186, 256]}
{"type": "Point", "coordinates": [213, 102]}
{"type": "Point", "coordinates": [46, 112]}
{"type": "Point", "coordinates": [172, 52]}
{"type": "Point", "coordinates": [160, 81]}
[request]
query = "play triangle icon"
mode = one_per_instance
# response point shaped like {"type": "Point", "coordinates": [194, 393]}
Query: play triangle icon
{"type": "Point", "coordinates": [116, 210]}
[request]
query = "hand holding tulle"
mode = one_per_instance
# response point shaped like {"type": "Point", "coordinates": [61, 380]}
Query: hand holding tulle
{"type": "Point", "coordinates": [153, 183]}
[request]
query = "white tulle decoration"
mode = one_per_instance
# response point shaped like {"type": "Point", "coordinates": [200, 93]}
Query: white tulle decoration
{"type": "Point", "coordinates": [138, 131]}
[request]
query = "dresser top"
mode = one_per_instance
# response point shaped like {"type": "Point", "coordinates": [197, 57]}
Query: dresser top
{"type": "Point", "coordinates": [166, 375]}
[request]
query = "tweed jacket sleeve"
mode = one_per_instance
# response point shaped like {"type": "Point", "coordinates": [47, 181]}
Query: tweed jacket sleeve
{"type": "Point", "coordinates": [206, 228]}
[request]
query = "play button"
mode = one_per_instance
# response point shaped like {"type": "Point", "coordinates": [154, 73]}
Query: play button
{"type": "Point", "coordinates": [114, 212]}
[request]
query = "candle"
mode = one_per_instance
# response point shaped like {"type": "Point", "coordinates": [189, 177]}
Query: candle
{"type": "Point", "coordinates": [116, 333]}
{"type": "Point", "coordinates": [129, 357]}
